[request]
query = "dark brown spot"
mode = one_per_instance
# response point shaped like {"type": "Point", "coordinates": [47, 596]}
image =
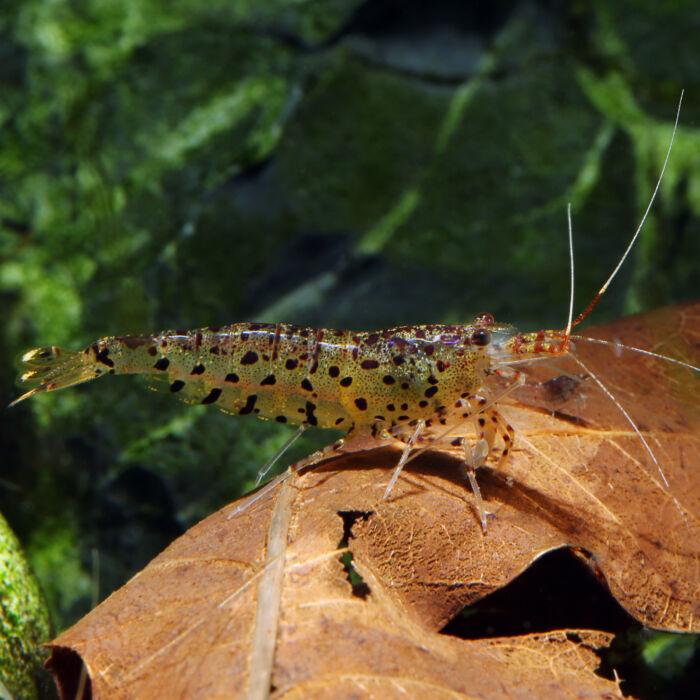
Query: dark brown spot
{"type": "Point", "coordinates": [432, 380]}
{"type": "Point", "coordinates": [369, 364]}
{"type": "Point", "coordinates": [152, 351]}
{"type": "Point", "coordinates": [162, 364]}
{"type": "Point", "coordinates": [214, 329]}
{"type": "Point", "coordinates": [355, 353]}
{"type": "Point", "coordinates": [431, 391]}
{"type": "Point", "coordinates": [346, 381]}
{"type": "Point", "coordinates": [333, 371]}
{"type": "Point", "coordinates": [197, 369]}
{"type": "Point", "coordinates": [291, 364]}
{"type": "Point", "coordinates": [379, 418]}
{"type": "Point", "coordinates": [212, 396]}
{"type": "Point", "coordinates": [310, 417]}
{"type": "Point", "coordinates": [102, 357]}
{"type": "Point", "coordinates": [250, 358]}
{"type": "Point", "coordinates": [132, 341]}
{"type": "Point", "coordinates": [441, 366]}
{"type": "Point", "coordinates": [404, 407]}
{"type": "Point", "coordinates": [338, 421]}
{"type": "Point", "coordinates": [249, 405]}
{"type": "Point", "coordinates": [404, 385]}
{"type": "Point", "coordinates": [456, 442]}
{"type": "Point", "coordinates": [307, 385]}
{"type": "Point", "coordinates": [560, 388]}
{"type": "Point", "coordinates": [429, 349]}
{"type": "Point", "coordinates": [398, 360]}
{"type": "Point", "coordinates": [233, 378]}
{"type": "Point", "coordinates": [214, 350]}
{"type": "Point", "coordinates": [482, 422]}
{"type": "Point", "coordinates": [177, 385]}
{"type": "Point", "coordinates": [372, 339]}
{"type": "Point", "coordinates": [403, 418]}
{"type": "Point", "coordinates": [388, 379]}
{"type": "Point", "coordinates": [281, 419]}
{"type": "Point", "coordinates": [268, 381]}
{"type": "Point", "coordinates": [423, 403]}
{"type": "Point", "coordinates": [361, 404]}
{"type": "Point", "coordinates": [197, 339]}
{"type": "Point", "coordinates": [390, 407]}
{"type": "Point", "coordinates": [244, 336]}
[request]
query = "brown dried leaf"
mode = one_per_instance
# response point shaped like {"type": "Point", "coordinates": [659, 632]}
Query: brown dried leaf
{"type": "Point", "coordinates": [237, 605]}
{"type": "Point", "coordinates": [579, 476]}
{"type": "Point", "coordinates": [202, 621]}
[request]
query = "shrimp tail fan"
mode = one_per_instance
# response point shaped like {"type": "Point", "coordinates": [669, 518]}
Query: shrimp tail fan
{"type": "Point", "coordinates": [50, 368]}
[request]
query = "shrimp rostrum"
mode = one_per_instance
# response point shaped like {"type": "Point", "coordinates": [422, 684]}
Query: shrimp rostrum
{"type": "Point", "coordinates": [411, 383]}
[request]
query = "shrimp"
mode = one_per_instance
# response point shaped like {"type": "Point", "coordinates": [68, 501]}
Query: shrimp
{"type": "Point", "coordinates": [416, 384]}
{"type": "Point", "coordinates": [403, 382]}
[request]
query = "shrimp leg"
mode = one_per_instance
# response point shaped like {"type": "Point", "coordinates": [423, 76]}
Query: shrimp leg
{"type": "Point", "coordinates": [420, 427]}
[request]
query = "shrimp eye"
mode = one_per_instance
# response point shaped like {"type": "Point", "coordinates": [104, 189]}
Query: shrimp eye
{"type": "Point", "coordinates": [484, 319]}
{"type": "Point", "coordinates": [481, 337]}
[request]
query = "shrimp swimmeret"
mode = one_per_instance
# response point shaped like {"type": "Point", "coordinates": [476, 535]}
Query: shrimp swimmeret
{"type": "Point", "coordinates": [416, 384]}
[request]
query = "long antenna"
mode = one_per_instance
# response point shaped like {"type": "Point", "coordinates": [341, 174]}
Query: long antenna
{"type": "Point", "coordinates": [631, 348]}
{"type": "Point", "coordinates": [602, 290]}
{"type": "Point", "coordinates": [571, 268]}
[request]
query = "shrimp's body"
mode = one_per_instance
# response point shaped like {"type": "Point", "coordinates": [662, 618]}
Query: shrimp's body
{"type": "Point", "coordinates": [290, 374]}
{"type": "Point", "coordinates": [404, 382]}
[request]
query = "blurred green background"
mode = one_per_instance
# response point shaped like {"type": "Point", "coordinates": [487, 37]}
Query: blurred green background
{"type": "Point", "coordinates": [326, 162]}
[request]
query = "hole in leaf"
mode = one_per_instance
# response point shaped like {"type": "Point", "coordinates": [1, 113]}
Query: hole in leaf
{"type": "Point", "coordinates": [561, 591]}
{"type": "Point", "coordinates": [558, 591]}
{"type": "Point", "coordinates": [70, 673]}
{"type": "Point", "coordinates": [359, 587]}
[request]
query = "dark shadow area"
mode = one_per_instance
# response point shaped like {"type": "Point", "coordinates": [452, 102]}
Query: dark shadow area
{"type": "Point", "coordinates": [560, 591]}
{"type": "Point", "coordinates": [71, 676]}
{"type": "Point", "coordinates": [556, 592]}
{"type": "Point", "coordinates": [133, 522]}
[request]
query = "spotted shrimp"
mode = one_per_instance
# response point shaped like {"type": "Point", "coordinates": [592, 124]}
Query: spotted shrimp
{"type": "Point", "coordinates": [415, 384]}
